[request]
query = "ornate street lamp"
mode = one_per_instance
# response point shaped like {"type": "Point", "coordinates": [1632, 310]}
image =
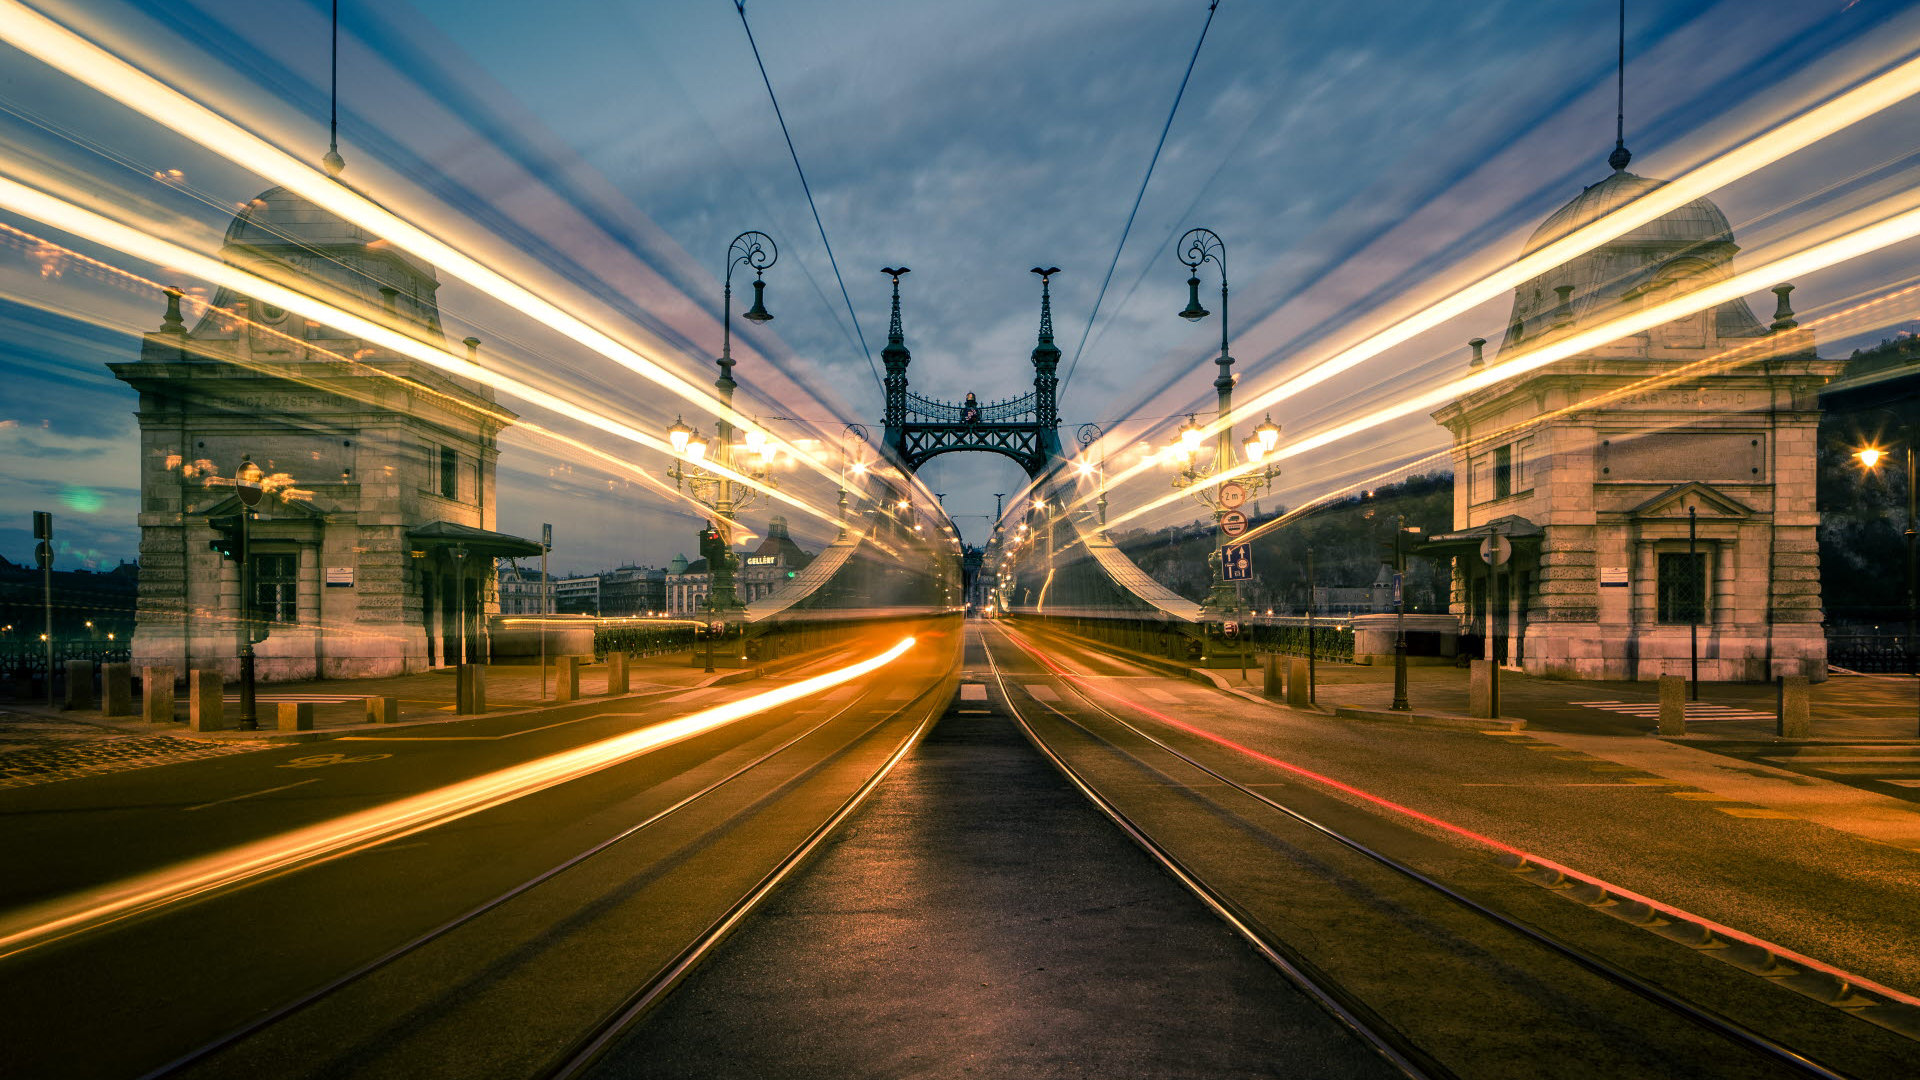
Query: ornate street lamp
{"type": "Point", "coordinates": [247, 485]}
{"type": "Point", "coordinates": [1088, 435]}
{"type": "Point", "coordinates": [848, 436]}
{"type": "Point", "coordinates": [715, 488]}
{"type": "Point", "coordinates": [1199, 246]}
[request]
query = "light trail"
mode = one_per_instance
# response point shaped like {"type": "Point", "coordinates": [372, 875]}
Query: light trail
{"type": "Point", "coordinates": [66, 51]}
{"type": "Point", "coordinates": [1861, 241]}
{"type": "Point", "coordinates": [1849, 107]}
{"type": "Point", "coordinates": [1091, 687]}
{"type": "Point", "coordinates": [66, 917]}
{"type": "Point", "coordinates": [78, 221]}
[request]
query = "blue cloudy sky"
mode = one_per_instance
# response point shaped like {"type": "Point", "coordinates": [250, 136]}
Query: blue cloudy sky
{"type": "Point", "coordinates": [1355, 156]}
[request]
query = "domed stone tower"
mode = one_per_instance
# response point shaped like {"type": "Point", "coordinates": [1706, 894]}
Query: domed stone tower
{"type": "Point", "coordinates": [1653, 489]}
{"type": "Point", "coordinates": [373, 551]}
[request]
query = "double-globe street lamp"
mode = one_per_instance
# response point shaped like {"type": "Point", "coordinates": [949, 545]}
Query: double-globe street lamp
{"type": "Point", "coordinates": [716, 488]}
{"type": "Point", "coordinates": [1199, 246]}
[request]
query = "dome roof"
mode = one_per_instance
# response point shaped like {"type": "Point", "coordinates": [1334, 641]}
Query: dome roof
{"type": "Point", "coordinates": [1697, 222]}
{"type": "Point", "coordinates": [286, 238]}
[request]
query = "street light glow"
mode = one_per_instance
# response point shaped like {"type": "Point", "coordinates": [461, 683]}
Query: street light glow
{"type": "Point", "coordinates": [1870, 456]}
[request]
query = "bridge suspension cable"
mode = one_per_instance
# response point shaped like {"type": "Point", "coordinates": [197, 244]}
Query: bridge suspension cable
{"type": "Point", "coordinates": [1138, 195]}
{"type": "Point", "coordinates": [741, 7]}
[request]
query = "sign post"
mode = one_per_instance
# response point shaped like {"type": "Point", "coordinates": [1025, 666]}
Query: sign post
{"type": "Point", "coordinates": [43, 552]}
{"type": "Point", "coordinates": [246, 484]}
{"type": "Point", "coordinates": [546, 545]}
{"type": "Point", "coordinates": [1497, 551]}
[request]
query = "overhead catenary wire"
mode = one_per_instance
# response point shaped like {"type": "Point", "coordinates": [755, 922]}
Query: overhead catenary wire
{"type": "Point", "coordinates": [741, 7]}
{"type": "Point", "coordinates": [1073, 364]}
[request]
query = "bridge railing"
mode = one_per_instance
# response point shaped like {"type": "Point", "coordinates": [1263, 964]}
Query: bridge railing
{"type": "Point", "coordinates": [947, 412]}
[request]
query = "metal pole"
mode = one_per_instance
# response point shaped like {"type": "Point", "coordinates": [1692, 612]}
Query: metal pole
{"type": "Point", "coordinates": [46, 583]}
{"type": "Point", "coordinates": [1910, 564]}
{"type": "Point", "coordinates": [1400, 703]}
{"type": "Point", "coordinates": [546, 535]}
{"type": "Point", "coordinates": [1310, 645]}
{"type": "Point", "coordinates": [1693, 610]}
{"type": "Point", "coordinates": [249, 716]}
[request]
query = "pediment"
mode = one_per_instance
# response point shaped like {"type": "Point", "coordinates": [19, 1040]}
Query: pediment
{"type": "Point", "coordinates": [270, 509]}
{"type": "Point", "coordinates": [1708, 503]}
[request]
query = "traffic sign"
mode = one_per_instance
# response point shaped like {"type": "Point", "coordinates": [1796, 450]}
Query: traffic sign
{"type": "Point", "coordinates": [1236, 562]}
{"type": "Point", "coordinates": [1232, 495]}
{"type": "Point", "coordinates": [1233, 523]}
{"type": "Point", "coordinates": [1496, 550]}
{"type": "Point", "coordinates": [43, 554]}
{"type": "Point", "coordinates": [247, 483]}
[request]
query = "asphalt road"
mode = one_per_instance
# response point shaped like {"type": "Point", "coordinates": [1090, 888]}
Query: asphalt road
{"type": "Point", "coordinates": [498, 997]}
{"type": "Point", "coordinates": [979, 917]}
{"type": "Point", "coordinates": [1821, 892]}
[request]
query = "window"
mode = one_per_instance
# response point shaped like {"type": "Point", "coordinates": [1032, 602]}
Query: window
{"type": "Point", "coordinates": [449, 472]}
{"type": "Point", "coordinates": [275, 588]}
{"type": "Point", "coordinates": [1683, 587]}
{"type": "Point", "coordinates": [1502, 471]}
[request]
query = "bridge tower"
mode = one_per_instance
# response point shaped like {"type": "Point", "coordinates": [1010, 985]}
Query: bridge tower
{"type": "Point", "coordinates": [1024, 428]}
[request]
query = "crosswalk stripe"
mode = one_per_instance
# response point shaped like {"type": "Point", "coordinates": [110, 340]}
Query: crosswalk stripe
{"type": "Point", "coordinates": [1042, 692]}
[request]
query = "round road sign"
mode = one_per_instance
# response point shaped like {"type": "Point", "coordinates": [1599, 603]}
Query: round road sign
{"type": "Point", "coordinates": [247, 483]}
{"type": "Point", "coordinates": [1233, 523]}
{"type": "Point", "coordinates": [1232, 495]}
{"type": "Point", "coordinates": [1496, 550]}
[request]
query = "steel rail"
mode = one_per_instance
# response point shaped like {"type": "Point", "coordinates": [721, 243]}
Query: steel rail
{"type": "Point", "coordinates": [255, 1026]}
{"type": "Point", "coordinates": [588, 1050]}
{"type": "Point", "coordinates": [1700, 1015]}
{"type": "Point", "coordinates": [1352, 1013]}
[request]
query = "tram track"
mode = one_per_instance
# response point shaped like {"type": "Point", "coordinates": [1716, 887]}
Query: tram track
{"type": "Point", "coordinates": [595, 895]}
{"type": "Point", "coordinates": [1097, 748]}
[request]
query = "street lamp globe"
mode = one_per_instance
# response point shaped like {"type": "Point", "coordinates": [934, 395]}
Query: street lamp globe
{"type": "Point", "coordinates": [1190, 436]}
{"type": "Point", "coordinates": [696, 446]}
{"type": "Point", "coordinates": [1268, 433]}
{"type": "Point", "coordinates": [1870, 456]}
{"type": "Point", "coordinates": [678, 435]}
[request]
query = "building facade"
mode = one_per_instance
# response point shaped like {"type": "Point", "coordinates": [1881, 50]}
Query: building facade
{"type": "Point", "coordinates": [518, 588]}
{"type": "Point", "coordinates": [372, 551]}
{"type": "Point", "coordinates": [1649, 489]}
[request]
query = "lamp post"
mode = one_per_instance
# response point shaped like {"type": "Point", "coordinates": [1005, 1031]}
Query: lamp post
{"type": "Point", "coordinates": [247, 485]}
{"type": "Point", "coordinates": [1089, 434]}
{"type": "Point", "coordinates": [1693, 609]}
{"type": "Point", "coordinates": [715, 488]}
{"type": "Point", "coordinates": [459, 553]}
{"type": "Point", "coordinates": [1869, 458]}
{"type": "Point", "coordinates": [848, 436]}
{"type": "Point", "coordinates": [1196, 247]}
{"type": "Point", "coordinates": [1400, 529]}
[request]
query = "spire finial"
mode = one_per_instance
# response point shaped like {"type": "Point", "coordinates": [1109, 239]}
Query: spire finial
{"type": "Point", "coordinates": [1046, 303]}
{"type": "Point", "coordinates": [172, 323]}
{"type": "Point", "coordinates": [1621, 155]}
{"type": "Point", "coordinates": [333, 162]}
{"type": "Point", "coordinates": [895, 336]}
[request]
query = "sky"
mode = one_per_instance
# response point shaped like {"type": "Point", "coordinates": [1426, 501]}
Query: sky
{"type": "Point", "coordinates": [1357, 158]}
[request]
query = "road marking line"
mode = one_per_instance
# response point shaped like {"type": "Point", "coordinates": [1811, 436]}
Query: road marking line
{"type": "Point", "coordinates": [1754, 812]}
{"type": "Point", "coordinates": [1042, 692]}
{"type": "Point", "coordinates": [973, 692]}
{"type": "Point", "coordinates": [1901, 783]}
{"type": "Point", "coordinates": [1701, 796]}
{"type": "Point", "coordinates": [1848, 759]}
{"type": "Point", "coordinates": [249, 795]}
{"type": "Point", "coordinates": [1650, 780]}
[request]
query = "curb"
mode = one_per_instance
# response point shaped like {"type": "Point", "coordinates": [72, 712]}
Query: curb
{"type": "Point", "coordinates": [1432, 720]}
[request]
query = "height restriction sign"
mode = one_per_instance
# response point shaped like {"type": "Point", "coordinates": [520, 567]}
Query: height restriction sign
{"type": "Point", "coordinates": [1232, 495]}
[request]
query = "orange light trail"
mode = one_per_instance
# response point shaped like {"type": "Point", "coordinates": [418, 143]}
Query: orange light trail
{"type": "Point", "coordinates": [66, 51]}
{"type": "Point", "coordinates": [77, 221]}
{"type": "Point", "coordinates": [1892, 230]}
{"type": "Point", "coordinates": [355, 832]}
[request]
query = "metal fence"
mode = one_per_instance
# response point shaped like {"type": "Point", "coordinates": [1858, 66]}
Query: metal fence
{"type": "Point", "coordinates": [1881, 653]}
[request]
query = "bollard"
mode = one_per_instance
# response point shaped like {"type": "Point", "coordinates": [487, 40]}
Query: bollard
{"type": "Point", "coordinates": [1273, 685]}
{"type": "Point", "coordinates": [1299, 692]}
{"type": "Point", "coordinates": [566, 679]}
{"type": "Point", "coordinates": [1793, 719]}
{"type": "Point", "coordinates": [205, 709]}
{"type": "Point", "coordinates": [156, 695]}
{"type": "Point", "coordinates": [296, 716]}
{"type": "Point", "coordinates": [116, 689]}
{"type": "Point", "coordinates": [1480, 702]}
{"type": "Point", "coordinates": [383, 710]}
{"type": "Point", "coordinates": [79, 685]}
{"type": "Point", "coordinates": [1673, 706]}
{"type": "Point", "coordinates": [616, 673]}
{"type": "Point", "coordinates": [470, 689]}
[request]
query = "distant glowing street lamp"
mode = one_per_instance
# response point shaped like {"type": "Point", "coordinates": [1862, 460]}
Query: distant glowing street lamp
{"type": "Point", "coordinates": [1869, 457]}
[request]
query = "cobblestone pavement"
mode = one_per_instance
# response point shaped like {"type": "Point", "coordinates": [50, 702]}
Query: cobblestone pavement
{"type": "Point", "coordinates": [41, 750]}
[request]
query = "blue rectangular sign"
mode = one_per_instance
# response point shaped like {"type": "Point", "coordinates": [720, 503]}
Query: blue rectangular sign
{"type": "Point", "coordinates": [1236, 562]}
